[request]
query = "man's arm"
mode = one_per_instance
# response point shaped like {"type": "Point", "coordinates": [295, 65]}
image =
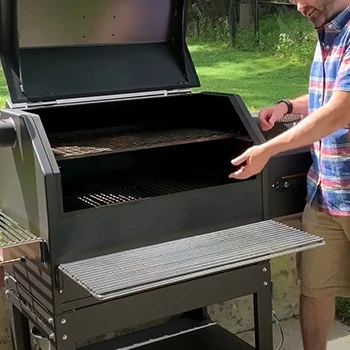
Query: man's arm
{"type": "Point", "coordinates": [301, 105]}
{"type": "Point", "coordinates": [324, 121]}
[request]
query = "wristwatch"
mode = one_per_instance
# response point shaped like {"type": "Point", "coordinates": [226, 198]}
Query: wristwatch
{"type": "Point", "coordinates": [289, 105]}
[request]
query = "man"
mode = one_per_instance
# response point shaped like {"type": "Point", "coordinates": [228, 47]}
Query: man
{"type": "Point", "coordinates": [324, 272]}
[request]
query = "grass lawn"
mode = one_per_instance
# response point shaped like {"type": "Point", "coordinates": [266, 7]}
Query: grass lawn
{"type": "Point", "coordinates": [260, 80]}
{"type": "Point", "coordinates": [3, 90]}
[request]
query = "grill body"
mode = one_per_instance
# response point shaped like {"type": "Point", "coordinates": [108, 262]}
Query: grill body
{"type": "Point", "coordinates": [173, 191]}
{"type": "Point", "coordinates": [285, 175]}
{"type": "Point", "coordinates": [149, 200]}
{"type": "Point", "coordinates": [116, 207]}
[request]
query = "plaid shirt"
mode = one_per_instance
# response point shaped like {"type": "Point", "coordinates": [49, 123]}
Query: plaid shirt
{"type": "Point", "coordinates": [328, 182]}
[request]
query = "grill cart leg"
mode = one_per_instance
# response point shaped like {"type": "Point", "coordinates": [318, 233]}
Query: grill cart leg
{"type": "Point", "coordinates": [263, 318]}
{"type": "Point", "coordinates": [19, 328]}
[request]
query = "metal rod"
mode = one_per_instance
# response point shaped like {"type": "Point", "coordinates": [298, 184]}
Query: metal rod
{"type": "Point", "coordinates": [10, 262]}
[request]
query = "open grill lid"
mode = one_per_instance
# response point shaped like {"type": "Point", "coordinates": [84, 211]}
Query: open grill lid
{"type": "Point", "coordinates": [63, 49]}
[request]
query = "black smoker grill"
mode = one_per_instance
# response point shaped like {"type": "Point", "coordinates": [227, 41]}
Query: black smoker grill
{"type": "Point", "coordinates": [116, 207]}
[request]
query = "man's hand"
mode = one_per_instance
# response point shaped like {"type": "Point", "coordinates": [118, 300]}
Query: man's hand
{"type": "Point", "coordinates": [269, 115]}
{"type": "Point", "coordinates": [251, 162]}
{"type": "Point", "coordinates": [322, 122]}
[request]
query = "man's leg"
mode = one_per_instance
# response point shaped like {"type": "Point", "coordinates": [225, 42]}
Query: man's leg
{"type": "Point", "coordinates": [316, 319]}
{"type": "Point", "coordinates": [324, 274]}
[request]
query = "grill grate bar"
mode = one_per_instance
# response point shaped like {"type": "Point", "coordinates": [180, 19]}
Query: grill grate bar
{"type": "Point", "coordinates": [290, 118]}
{"type": "Point", "coordinates": [105, 191]}
{"type": "Point", "coordinates": [130, 271]}
{"type": "Point", "coordinates": [11, 233]}
{"type": "Point", "coordinates": [68, 146]}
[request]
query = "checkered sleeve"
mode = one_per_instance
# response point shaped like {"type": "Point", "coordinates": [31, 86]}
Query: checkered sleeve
{"type": "Point", "coordinates": [342, 81]}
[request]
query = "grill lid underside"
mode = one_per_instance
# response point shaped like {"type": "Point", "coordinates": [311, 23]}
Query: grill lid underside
{"type": "Point", "coordinates": [85, 48]}
{"type": "Point", "coordinates": [138, 270]}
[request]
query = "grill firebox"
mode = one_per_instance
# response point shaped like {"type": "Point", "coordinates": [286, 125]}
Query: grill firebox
{"type": "Point", "coordinates": [99, 191]}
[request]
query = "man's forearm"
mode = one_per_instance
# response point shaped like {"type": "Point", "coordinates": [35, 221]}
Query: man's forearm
{"type": "Point", "coordinates": [316, 126]}
{"type": "Point", "coordinates": [301, 105]}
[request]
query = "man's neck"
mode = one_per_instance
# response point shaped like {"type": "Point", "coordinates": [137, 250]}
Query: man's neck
{"type": "Point", "coordinates": [339, 6]}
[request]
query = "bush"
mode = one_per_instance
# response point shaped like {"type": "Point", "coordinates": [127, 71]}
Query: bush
{"type": "Point", "coordinates": [285, 34]}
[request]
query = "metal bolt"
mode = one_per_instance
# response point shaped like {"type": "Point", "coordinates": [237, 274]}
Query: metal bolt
{"type": "Point", "coordinates": [63, 321]}
{"type": "Point", "coordinates": [64, 337]}
{"type": "Point", "coordinates": [6, 278]}
{"type": "Point", "coordinates": [50, 320]}
{"type": "Point", "coordinates": [265, 283]}
{"type": "Point", "coordinates": [52, 336]}
{"type": "Point", "coordinates": [264, 269]}
{"type": "Point", "coordinates": [7, 292]}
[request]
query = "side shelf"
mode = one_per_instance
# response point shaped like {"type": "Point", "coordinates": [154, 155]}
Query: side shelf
{"type": "Point", "coordinates": [133, 271]}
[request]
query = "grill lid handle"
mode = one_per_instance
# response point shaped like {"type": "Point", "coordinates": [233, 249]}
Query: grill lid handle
{"type": "Point", "coordinates": [8, 136]}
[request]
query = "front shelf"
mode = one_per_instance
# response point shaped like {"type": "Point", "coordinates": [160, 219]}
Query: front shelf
{"type": "Point", "coordinates": [204, 337]}
{"type": "Point", "coordinates": [142, 269]}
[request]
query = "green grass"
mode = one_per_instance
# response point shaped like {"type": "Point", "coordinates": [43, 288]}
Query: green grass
{"type": "Point", "coordinates": [260, 80]}
{"type": "Point", "coordinates": [3, 90]}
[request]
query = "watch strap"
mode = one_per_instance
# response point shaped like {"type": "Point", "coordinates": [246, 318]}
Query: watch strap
{"type": "Point", "coordinates": [289, 105]}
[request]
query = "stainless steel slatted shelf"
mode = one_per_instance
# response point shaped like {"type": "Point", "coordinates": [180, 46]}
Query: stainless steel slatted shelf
{"type": "Point", "coordinates": [132, 271]}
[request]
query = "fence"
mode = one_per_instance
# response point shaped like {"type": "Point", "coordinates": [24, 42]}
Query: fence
{"type": "Point", "coordinates": [229, 20]}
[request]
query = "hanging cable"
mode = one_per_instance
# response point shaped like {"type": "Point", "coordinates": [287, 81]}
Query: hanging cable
{"type": "Point", "coordinates": [279, 329]}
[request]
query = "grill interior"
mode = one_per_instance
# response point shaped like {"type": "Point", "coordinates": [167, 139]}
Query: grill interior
{"type": "Point", "coordinates": [111, 189]}
{"type": "Point", "coordinates": [124, 177]}
{"type": "Point", "coordinates": [118, 152]}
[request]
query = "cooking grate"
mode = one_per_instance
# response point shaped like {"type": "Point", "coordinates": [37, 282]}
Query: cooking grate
{"type": "Point", "coordinates": [132, 271]}
{"type": "Point", "coordinates": [100, 191]}
{"type": "Point", "coordinates": [11, 234]}
{"type": "Point", "coordinates": [90, 144]}
{"type": "Point", "coordinates": [290, 118]}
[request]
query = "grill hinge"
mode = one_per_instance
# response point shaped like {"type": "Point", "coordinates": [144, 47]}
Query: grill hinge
{"type": "Point", "coordinates": [96, 99]}
{"type": "Point", "coordinates": [179, 92]}
{"type": "Point", "coordinates": [29, 105]}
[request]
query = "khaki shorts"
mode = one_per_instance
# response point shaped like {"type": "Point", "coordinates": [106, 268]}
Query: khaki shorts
{"type": "Point", "coordinates": [325, 271]}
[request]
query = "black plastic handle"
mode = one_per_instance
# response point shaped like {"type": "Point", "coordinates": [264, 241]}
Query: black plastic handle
{"type": "Point", "coordinates": [8, 136]}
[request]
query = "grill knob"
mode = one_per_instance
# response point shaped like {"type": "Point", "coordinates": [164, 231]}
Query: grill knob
{"type": "Point", "coordinates": [8, 136]}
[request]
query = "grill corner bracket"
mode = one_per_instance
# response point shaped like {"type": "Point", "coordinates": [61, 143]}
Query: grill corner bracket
{"type": "Point", "coordinates": [4, 262]}
{"type": "Point", "coordinates": [18, 244]}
